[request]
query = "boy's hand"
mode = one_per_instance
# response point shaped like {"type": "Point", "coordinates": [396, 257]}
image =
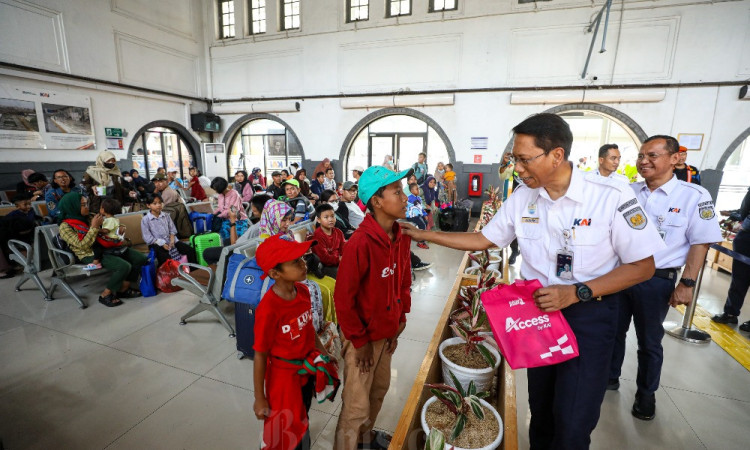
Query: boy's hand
{"type": "Point", "coordinates": [232, 215]}
{"type": "Point", "coordinates": [261, 408]}
{"type": "Point", "coordinates": [392, 343]}
{"type": "Point", "coordinates": [363, 357]}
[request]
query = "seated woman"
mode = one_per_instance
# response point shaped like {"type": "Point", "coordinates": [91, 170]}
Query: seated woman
{"type": "Point", "coordinates": [243, 185]}
{"type": "Point", "coordinates": [141, 185]}
{"type": "Point", "coordinates": [160, 233]}
{"type": "Point", "coordinates": [304, 185]}
{"type": "Point", "coordinates": [104, 180]}
{"type": "Point", "coordinates": [228, 199]}
{"type": "Point", "coordinates": [80, 234]}
{"type": "Point", "coordinates": [62, 183]}
{"type": "Point", "coordinates": [275, 219]}
{"type": "Point", "coordinates": [257, 178]}
{"type": "Point", "coordinates": [212, 254]}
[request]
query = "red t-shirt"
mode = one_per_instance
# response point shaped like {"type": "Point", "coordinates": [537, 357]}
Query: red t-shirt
{"type": "Point", "coordinates": [284, 328]}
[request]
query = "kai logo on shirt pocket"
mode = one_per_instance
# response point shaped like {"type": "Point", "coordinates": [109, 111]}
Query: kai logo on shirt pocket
{"type": "Point", "coordinates": [582, 222]}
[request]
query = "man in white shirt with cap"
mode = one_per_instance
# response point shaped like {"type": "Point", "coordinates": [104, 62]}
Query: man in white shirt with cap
{"type": "Point", "coordinates": [684, 217]}
{"type": "Point", "coordinates": [565, 217]}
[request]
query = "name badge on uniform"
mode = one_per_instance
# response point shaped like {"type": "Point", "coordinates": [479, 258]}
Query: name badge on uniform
{"type": "Point", "coordinates": [529, 219]}
{"type": "Point", "coordinates": [564, 259]}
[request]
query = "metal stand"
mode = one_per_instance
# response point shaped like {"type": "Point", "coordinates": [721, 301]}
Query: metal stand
{"type": "Point", "coordinates": [685, 332]}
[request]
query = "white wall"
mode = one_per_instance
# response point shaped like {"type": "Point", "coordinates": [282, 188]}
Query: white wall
{"type": "Point", "coordinates": [149, 44]}
{"type": "Point", "coordinates": [497, 44]}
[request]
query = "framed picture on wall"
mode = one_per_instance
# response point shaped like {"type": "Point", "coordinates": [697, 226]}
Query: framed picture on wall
{"type": "Point", "coordinates": [691, 141]}
{"type": "Point", "coordinates": [276, 144]}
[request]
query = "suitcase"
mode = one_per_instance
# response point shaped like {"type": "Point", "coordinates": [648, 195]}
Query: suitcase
{"type": "Point", "coordinates": [202, 222]}
{"type": "Point", "coordinates": [461, 220]}
{"type": "Point", "coordinates": [202, 242]}
{"type": "Point", "coordinates": [327, 286]}
{"type": "Point", "coordinates": [244, 328]}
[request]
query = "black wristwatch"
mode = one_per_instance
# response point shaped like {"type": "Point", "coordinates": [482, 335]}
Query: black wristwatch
{"type": "Point", "coordinates": [232, 224]}
{"type": "Point", "coordinates": [687, 282]}
{"type": "Point", "coordinates": [583, 292]}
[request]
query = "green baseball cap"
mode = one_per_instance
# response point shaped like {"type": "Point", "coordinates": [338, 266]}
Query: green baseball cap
{"type": "Point", "coordinates": [375, 177]}
{"type": "Point", "coordinates": [293, 182]}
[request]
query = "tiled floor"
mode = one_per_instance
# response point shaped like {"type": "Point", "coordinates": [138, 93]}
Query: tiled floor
{"type": "Point", "coordinates": [132, 377]}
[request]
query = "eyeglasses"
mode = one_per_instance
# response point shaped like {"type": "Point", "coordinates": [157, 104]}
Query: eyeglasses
{"type": "Point", "coordinates": [523, 161]}
{"type": "Point", "coordinates": [61, 177]}
{"type": "Point", "coordinates": [651, 156]}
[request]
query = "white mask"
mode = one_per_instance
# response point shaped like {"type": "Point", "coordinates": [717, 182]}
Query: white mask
{"type": "Point", "coordinates": [128, 179]}
{"type": "Point", "coordinates": [335, 205]}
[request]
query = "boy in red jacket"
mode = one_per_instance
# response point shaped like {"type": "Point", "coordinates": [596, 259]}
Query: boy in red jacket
{"type": "Point", "coordinates": [372, 298]}
{"type": "Point", "coordinates": [330, 239]}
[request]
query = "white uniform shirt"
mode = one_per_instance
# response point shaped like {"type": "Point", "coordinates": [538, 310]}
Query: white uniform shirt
{"type": "Point", "coordinates": [615, 176]}
{"type": "Point", "coordinates": [683, 213]}
{"type": "Point", "coordinates": [356, 216]}
{"type": "Point", "coordinates": [607, 227]}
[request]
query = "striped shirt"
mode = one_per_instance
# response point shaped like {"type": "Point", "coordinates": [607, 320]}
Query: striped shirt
{"type": "Point", "coordinates": [157, 230]}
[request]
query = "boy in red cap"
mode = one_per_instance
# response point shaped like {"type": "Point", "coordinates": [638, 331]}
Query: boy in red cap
{"type": "Point", "coordinates": [285, 340]}
{"type": "Point", "coordinates": [372, 298]}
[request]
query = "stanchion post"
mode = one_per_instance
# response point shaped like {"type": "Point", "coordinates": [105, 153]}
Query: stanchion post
{"type": "Point", "coordinates": [685, 332]}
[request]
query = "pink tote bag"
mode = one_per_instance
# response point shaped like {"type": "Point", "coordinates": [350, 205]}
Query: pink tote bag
{"type": "Point", "coordinates": [526, 335]}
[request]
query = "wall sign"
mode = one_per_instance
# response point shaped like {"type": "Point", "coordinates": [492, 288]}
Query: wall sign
{"type": "Point", "coordinates": [44, 119]}
{"type": "Point", "coordinates": [691, 141]}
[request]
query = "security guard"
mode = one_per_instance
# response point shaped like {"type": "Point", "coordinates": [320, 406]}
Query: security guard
{"type": "Point", "coordinates": [562, 216]}
{"type": "Point", "coordinates": [686, 172]}
{"type": "Point", "coordinates": [684, 217]}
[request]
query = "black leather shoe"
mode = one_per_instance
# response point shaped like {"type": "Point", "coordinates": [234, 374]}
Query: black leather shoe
{"type": "Point", "coordinates": [613, 384]}
{"type": "Point", "coordinates": [724, 318]}
{"type": "Point", "coordinates": [644, 407]}
{"type": "Point", "coordinates": [745, 326]}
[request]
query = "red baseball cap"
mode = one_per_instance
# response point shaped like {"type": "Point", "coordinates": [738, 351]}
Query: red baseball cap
{"type": "Point", "coordinates": [279, 249]}
{"type": "Point", "coordinates": [682, 149]}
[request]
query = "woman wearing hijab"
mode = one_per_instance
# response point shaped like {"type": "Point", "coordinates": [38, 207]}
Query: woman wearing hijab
{"type": "Point", "coordinates": [256, 177]}
{"type": "Point", "coordinates": [80, 233]}
{"type": "Point", "coordinates": [430, 200]}
{"type": "Point", "coordinates": [26, 185]}
{"type": "Point", "coordinates": [388, 162]}
{"type": "Point", "coordinates": [323, 166]}
{"type": "Point", "coordinates": [304, 184]}
{"type": "Point", "coordinates": [103, 179]}
{"type": "Point", "coordinates": [275, 218]}
{"type": "Point", "coordinates": [243, 185]}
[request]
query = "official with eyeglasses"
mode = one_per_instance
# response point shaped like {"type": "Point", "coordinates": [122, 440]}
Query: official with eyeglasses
{"type": "Point", "coordinates": [576, 232]}
{"type": "Point", "coordinates": [684, 217]}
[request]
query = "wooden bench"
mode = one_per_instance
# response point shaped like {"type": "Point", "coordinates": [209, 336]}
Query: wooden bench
{"type": "Point", "coordinates": [5, 210]}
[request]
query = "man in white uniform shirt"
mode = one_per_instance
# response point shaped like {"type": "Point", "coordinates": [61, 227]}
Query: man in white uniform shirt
{"type": "Point", "coordinates": [683, 214]}
{"type": "Point", "coordinates": [609, 161]}
{"type": "Point", "coordinates": [561, 216]}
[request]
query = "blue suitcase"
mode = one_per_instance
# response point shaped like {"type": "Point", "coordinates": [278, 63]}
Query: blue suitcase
{"type": "Point", "coordinates": [244, 327]}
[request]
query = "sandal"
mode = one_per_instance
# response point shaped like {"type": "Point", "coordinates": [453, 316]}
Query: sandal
{"type": "Point", "coordinates": [380, 441]}
{"type": "Point", "coordinates": [129, 293]}
{"type": "Point", "coordinates": [110, 301]}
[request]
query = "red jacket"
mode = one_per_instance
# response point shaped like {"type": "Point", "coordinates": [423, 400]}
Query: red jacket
{"type": "Point", "coordinates": [373, 285]}
{"type": "Point", "coordinates": [329, 248]}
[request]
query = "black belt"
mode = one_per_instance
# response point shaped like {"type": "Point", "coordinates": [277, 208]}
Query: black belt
{"type": "Point", "coordinates": [667, 274]}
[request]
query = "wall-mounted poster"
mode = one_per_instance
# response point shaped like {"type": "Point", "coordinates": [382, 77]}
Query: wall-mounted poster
{"type": "Point", "coordinates": [44, 120]}
{"type": "Point", "coordinates": [276, 144]}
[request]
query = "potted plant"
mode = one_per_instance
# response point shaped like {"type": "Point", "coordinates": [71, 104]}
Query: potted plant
{"type": "Point", "coordinates": [468, 421]}
{"type": "Point", "coordinates": [482, 263]}
{"type": "Point", "coordinates": [435, 440]}
{"type": "Point", "coordinates": [466, 355]}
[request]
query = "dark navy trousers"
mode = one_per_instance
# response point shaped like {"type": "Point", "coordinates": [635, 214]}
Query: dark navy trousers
{"type": "Point", "coordinates": [740, 275]}
{"type": "Point", "coordinates": [647, 304]}
{"type": "Point", "coordinates": [565, 398]}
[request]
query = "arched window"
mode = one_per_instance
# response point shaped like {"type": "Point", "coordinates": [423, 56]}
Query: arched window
{"type": "Point", "coordinates": [591, 130]}
{"type": "Point", "coordinates": [734, 180]}
{"type": "Point", "coordinates": [263, 143]}
{"type": "Point", "coordinates": [161, 147]}
{"type": "Point", "coordinates": [401, 136]}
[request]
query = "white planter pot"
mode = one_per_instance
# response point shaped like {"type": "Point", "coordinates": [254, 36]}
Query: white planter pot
{"type": "Point", "coordinates": [475, 271]}
{"type": "Point", "coordinates": [482, 377]}
{"type": "Point", "coordinates": [494, 262]}
{"type": "Point", "coordinates": [473, 263]}
{"type": "Point", "coordinates": [495, 444]}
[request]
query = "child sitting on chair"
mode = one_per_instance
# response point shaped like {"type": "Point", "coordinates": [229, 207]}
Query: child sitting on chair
{"type": "Point", "coordinates": [415, 212]}
{"type": "Point", "coordinates": [330, 240]}
{"type": "Point", "coordinates": [112, 234]}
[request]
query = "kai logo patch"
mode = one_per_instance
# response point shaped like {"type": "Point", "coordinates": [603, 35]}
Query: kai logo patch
{"type": "Point", "coordinates": [674, 210]}
{"type": "Point", "coordinates": [636, 218]}
{"type": "Point", "coordinates": [706, 210]}
{"type": "Point", "coordinates": [582, 222]}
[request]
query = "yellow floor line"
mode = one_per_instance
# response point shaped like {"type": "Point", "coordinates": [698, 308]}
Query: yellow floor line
{"type": "Point", "coordinates": [725, 336]}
